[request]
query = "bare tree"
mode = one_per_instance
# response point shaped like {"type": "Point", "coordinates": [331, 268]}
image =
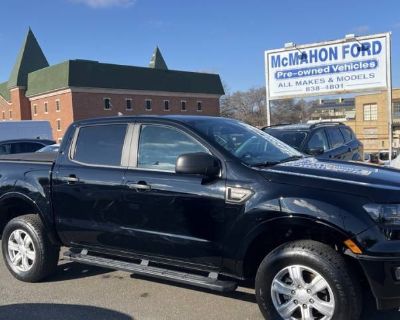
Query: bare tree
{"type": "Point", "coordinates": [250, 106]}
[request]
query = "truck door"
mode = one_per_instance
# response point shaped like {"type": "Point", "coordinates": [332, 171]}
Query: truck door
{"type": "Point", "coordinates": [176, 216]}
{"type": "Point", "coordinates": [88, 185]}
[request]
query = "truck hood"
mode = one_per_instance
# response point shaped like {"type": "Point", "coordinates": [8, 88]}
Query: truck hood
{"type": "Point", "coordinates": [377, 183]}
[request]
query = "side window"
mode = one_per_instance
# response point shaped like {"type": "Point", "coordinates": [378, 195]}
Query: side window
{"type": "Point", "coordinates": [335, 137]}
{"type": "Point", "coordinates": [160, 146]}
{"type": "Point", "coordinates": [5, 148]}
{"type": "Point", "coordinates": [100, 145]}
{"type": "Point", "coordinates": [25, 147]}
{"type": "Point", "coordinates": [318, 140]}
{"type": "Point", "coordinates": [347, 133]}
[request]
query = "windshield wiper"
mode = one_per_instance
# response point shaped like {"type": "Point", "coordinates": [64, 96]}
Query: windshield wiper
{"type": "Point", "coordinates": [292, 158]}
{"type": "Point", "coordinates": [272, 163]}
{"type": "Point", "coordinates": [265, 164]}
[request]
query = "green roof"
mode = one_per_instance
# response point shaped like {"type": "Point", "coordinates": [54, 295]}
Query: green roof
{"type": "Point", "coordinates": [30, 58]}
{"type": "Point", "coordinates": [92, 74]}
{"type": "Point", "coordinates": [4, 91]}
{"type": "Point", "coordinates": [157, 61]}
{"type": "Point", "coordinates": [48, 79]}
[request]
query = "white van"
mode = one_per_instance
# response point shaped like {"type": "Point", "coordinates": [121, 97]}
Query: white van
{"type": "Point", "coordinates": [25, 129]}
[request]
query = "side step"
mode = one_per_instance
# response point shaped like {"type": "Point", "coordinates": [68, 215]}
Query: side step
{"type": "Point", "coordinates": [211, 282]}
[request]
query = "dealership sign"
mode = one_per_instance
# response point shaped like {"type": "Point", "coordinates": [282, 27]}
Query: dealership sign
{"type": "Point", "coordinates": [334, 67]}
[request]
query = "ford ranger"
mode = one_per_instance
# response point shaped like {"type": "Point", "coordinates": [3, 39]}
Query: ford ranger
{"type": "Point", "coordinates": [207, 202]}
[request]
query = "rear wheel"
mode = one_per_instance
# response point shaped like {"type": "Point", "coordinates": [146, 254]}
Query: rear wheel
{"type": "Point", "coordinates": [27, 251]}
{"type": "Point", "coordinates": [305, 280]}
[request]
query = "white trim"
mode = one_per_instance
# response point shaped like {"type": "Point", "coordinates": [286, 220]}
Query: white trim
{"type": "Point", "coordinates": [145, 104]}
{"type": "Point", "coordinates": [9, 103]}
{"type": "Point", "coordinates": [104, 104]}
{"type": "Point", "coordinates": [126, 106]}
{"type": "Point", "coordinates": [145, 92]}
{"type": "Point", "coordinates": [169, 106]}
{"type": "Point", "coordinates": [46, 109]}
{"type": "Point", "coordinates": [49, 94]}
{"type": "Point", "coordinates": [184, 110]}
{"type": "Point", "coordinates": [57, 121]}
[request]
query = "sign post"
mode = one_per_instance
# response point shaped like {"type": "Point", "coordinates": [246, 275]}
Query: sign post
{"type": "Point", "coordinates": [349, 65]}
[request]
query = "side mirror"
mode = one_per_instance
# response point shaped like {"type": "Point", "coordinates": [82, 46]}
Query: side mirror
{"type": "Point", "coordinates": [198, 163]}
{"type": "Point", "coordinates": [315, 151]}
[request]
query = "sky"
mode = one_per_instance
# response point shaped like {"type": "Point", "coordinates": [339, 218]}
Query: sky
{"type": "Point", "coordinates": [227, 37]}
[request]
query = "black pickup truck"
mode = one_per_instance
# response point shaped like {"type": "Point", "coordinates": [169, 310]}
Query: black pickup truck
{"type": "Point", "coordinates": [208, 202]}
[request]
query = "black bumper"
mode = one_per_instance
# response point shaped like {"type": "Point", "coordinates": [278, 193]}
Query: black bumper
{"type": "Point", "coordinates": [380, 272]}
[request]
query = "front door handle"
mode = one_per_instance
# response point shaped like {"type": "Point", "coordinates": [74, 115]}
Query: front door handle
{"type": "Point", "coordinates": [142, 186]}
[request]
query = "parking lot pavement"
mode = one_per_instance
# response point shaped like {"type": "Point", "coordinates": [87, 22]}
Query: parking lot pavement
{"type": "Point", "coordinates": [84, 292]}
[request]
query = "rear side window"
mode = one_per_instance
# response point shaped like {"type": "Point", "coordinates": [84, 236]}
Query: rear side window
{"type": "Point", "coordinates": [335, 137]}
{"type": "Point", "coordinates": [100, 145]}
{"type": "Point", "coordinates": [318, 140]}
{"type": "Point", "coordinates": [347, 133]}
{"type": "Point", "coordinates": [160, 146]}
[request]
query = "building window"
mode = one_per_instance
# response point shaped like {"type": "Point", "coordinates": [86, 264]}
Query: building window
{"type": "Point", "coordinates": [58, 125]}
{"type": "Point", "coordinates": [396, 109]}
{"type": "Point", "coordinates": [199, 106]}
{"type": "Point", "coordinates": [107, 104]}
{"type": "Point", "coordinates": [183, 105]}
{"type": "Point", "coordinates": [10, 113]}
{"type": "Point", "coordinates": [34, 109]}
{"type": "Point", "coordinates": [46, 107]}
{"type": "Point", "coordinates": [166, 105]}
{"type": "Point", "coordinates": [370, 112]}
{"type": "Point", "coordinates": [58, 105]}
{"type": "Point", "coordinates": [4, 114]}
{"type": "Point", "coordinates": [129, 104]}
{"type": "Point", "coordinates": [148, 105]}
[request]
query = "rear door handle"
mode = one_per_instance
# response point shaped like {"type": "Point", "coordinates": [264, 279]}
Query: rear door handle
{"type": "Point", "coordinates": [72, 178]}
{"type": "Point", "coordinates": [142, 186]}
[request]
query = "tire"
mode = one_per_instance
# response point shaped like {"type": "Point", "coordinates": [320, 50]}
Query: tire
{"type": "Point", "coordinates": [337, 296]}
{"type": "Point", "coordinates": [25, 241]}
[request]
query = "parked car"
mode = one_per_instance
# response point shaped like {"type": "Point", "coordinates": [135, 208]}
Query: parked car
{"type": "Point", "coordinates": [332, 140]}
{"type": "Point", "coordinates": [208, 202]}
{"type": "Point", "coordinates": [25, 129]}
{"type": "Point", "coordinates": [50, 148]}
{"type": "Point", "coordinates": [23, 145]}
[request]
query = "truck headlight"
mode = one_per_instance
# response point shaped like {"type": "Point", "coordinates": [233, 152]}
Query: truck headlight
{"type": "Point", "coordinates": [384, 213]}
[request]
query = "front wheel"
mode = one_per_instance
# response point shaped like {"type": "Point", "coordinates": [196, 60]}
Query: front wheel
{"type": "Point", "coordinates": [306, 280]}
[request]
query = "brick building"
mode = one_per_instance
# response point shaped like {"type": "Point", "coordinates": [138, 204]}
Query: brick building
{"type": "Point", "coordinates": [79, 89]}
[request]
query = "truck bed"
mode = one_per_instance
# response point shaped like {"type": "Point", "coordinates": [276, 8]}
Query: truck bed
{"type": "Point", "coordinates": [47, 157]}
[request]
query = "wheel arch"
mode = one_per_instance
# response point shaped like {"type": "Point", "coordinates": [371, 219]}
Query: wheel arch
{"type": "Point", "coordinates": [14, 204]}
{"type": "Point", "coordinates": [271, 234]}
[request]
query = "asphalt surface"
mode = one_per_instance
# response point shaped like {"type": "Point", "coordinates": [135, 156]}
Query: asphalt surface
{"type": "Point", "coordinates": [84, 292]}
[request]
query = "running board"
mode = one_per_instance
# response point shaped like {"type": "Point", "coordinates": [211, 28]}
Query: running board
{"type": "Point", "coordinates": [211, 282]}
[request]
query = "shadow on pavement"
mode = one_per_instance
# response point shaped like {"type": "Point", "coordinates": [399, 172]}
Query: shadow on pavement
{"type": "Point", "coordinates": [238, 295]}
{"type": "Point", "coordinates": [73, 270]}
{"type": "Point", "coordinates": [47, 311]}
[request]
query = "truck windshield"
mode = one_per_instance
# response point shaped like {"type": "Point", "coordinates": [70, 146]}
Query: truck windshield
{"type": "Point", "coordinates": [249, 144]}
